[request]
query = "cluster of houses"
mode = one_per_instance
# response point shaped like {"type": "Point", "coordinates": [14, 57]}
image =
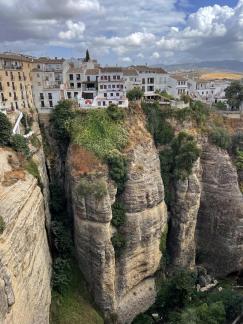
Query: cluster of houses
{"type": "Point", "coordinates": [26, 81]}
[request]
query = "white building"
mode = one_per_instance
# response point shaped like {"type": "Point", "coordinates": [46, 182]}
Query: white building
{"type": "Point", "coordinates": [212, 91]}
{"type": "Point", "coordinates": [111, 87]}
{"type": "Point", "coordinates": [46, 83]}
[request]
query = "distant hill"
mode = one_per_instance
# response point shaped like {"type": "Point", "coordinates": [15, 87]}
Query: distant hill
{"type": "Point", "coordinates": [227, 65]}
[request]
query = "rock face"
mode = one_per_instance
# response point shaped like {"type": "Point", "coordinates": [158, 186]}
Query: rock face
{"type": "Point", "coordinates": [25, 263]}
{"type": "Point", "coordinates": [220, 218]}
{"type": "Point", "coordinates": [123, 285]}
{"type": "Point", "coordinates": [184, 212]}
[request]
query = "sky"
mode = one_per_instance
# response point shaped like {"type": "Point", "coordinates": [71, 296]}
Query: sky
{"type": "Point", "coordinates": [125, 32]}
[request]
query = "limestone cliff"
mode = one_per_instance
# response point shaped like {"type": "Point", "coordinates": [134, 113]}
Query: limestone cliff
{"type": "Point", "coordinates": [220, 218]}
{"type": "Point", "coordinates": [25, 263]}
{"type": "Point", "coordinates": [122, 285]}
{"type": "Point", "coordinates": [183, 220]}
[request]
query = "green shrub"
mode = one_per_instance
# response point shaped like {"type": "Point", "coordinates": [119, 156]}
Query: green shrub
{"type": "Point", "coordinates": [237, 142]}
{"type": "Point", "coordinates": [186, 153]}
{"type": "Point", "coordinates": [19, 144]}
{"type": "Point", "coordinates": [204, 313]}
{"type": "Point", "coordinates": [239, 160]}
{"type": "Point", "coordinates": [118, 214]}
{"type": "Point", "coordinates": [143, 319]}
{"type": "Point", "coordinates": [115, 113]}
{"type": "Point", "coordinates": [166, 167]}
{"type": "Point", "coordinates": [34, 140]}
{"type": "Point", "coordinates": [119, 243]}
{"type": "Point", "coordinates": [135, 94]}
{"type": "Point", "coordinates": [90, 187]}
{"type": "Point", "coordinates": [61, 275]}
{"type": "Point", "coordinates": [61, 116]}
{"type": "Point", "coordinates": [175, 293]}
{"type": "Point", "coordinates": [5, 130]}
{"type": "Point", "coordinates": [232, 301]}
{"type": "Point", "coordinates": [220, 137]}
{"type": "Point", "coordinates": [32, 168]}
{"type": "Point", "coordinates": [220, 105]}
{"type": "Point", "coordinates": [62, 239]}
{"type": "Point", "coordinates": [117, 164]}
{"type": "Point", "coordinates": [2, 225]}
{"type": "Point", "coordinates": [98, 133]}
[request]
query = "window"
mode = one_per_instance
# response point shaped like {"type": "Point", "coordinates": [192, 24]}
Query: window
{"type": "Point", "coordinates": [117, 94]}
{"type": "Point", "coordinates": [102, 78]}
{"type": "Point", "coordinates": [13, 85]}
{"type": "Point", "coordinates": [75, 94]}
{"type": "Point", "coordinates": [120, 102]}
{"type": "Point", "coordinates": [105, 95]}
{"type": "Point", "coordinates": [72, 85]}
{"type": "Point", "coordinates": [109, 86]}
{"type": "Point", "coordinates": [42, 104]}
{"type": "Point", "coordinates": [99, 103]}
{"type": "Point", "coordinates": [88, 78]}
{"type": "Point", "coordinates": [113, 86]}
{"type": "Point", "coordinates": [112, 94]}
{"type": "Point", "coordinates": [118, 77]}
{"type": "Point", "coordinates": [105, 86]}
{"type": "Point", "coordinates": [78, 77]}
{"type": "Point", "coordinates": [6, 73]}
{"type": "Point", "coordinates": [69, 95]}
{"type": "Point", "coordinates": [143, 81]}
{"type": "Point", "coordinates": [79, 85]}
{"type": "Point", "coordinates": [101, 86]}
{"type": "Point", "coordinates": [41, 95]}
{"type": "Point", "coordinates": [110, 102]}
{"type": "Point", "coordinates": [71, 77]}
{"type": "Point", "coordinates": [103, 103]}
{"type": "Point", "coordinates": [50, 103]}
{"type": "Point", "coordinates": [49, 95]}
{"type": "Point", "coordinates": [114, 77]}
{"type": "Point", "coordinates": [10, 94]}
{"type": "Point", "coordinates": [8, 84]}
{"type": "Point", "coordinates": [1, 87]}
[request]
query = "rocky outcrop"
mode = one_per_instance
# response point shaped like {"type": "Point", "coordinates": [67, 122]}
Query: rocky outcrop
{"type": "Point", "coordinates": [183, 220]}
{"type": "Point", "coordinates": [123, 285]}
{"type": "Point", "coordinates": [25, 263]}
{"type": "Point", "coordinates": [220, 218]}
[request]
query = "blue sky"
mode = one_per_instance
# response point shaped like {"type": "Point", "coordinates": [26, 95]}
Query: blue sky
{"type": "Point", "coordinates": [125, 32]}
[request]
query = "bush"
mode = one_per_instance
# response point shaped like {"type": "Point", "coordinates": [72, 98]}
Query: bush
{"type": "Point", "coordinates": [19, 144]}
{"type": "Point", "coordinates": [118, 214]}
{"type": "Point", "coordinates": [119, 243]}
{"type": "Point", "coordinates": [232, 301]}
{"type": "Point", "coordinates": [61, 116]}
{"type": "Point", "coordinates": [98, 133]}
{"type": "Point", "coordinates": [2, 225]}
{"type": "Point", "coordinates": [135, 94]}
{"type": "Point", "coordinates": [175, 293]}
{"type": "Point", "coordinates": [34, 140]}
{"type": "Point", "coordinates": [237, 142]}
{"type": "Point", "coordinates": [5, 130]}
{"type": "Point", "coordinates": [220, 105]}
{"type": "Point", "coordinates": [115, 113]}
{"type": "Point", "coordinates": [32, 168]}
{"type": "Point", "coordinates": [61, 275]}
{"type": "Point", "coordinates": [117, 169]}
{"type": "Point", "coordinates": [62, 239]}
{"type": "Point", "coordinates": [90, 187]}
{"type": "Point", "coordinates": [143, 319]}
{"type": "Point", "coordinates": [239, 160]}
{"type": "Point", "coordinates": [220, 137]}
{"type": "Point", "coordinates": [204, 313]}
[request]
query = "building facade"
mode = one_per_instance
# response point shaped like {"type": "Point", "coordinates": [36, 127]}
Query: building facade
{"type": "Point", "coordinates": [15, 82]}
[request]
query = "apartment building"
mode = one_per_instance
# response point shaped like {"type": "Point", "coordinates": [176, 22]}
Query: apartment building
{"type": "Point", "coordinates": [111, 87]}
{"type": "Point", "coordinates": [15, 82]}
{"type": "Point", "coordinates": [47, 78]}
{"type": "Point", "coordinates": [212, 91]}
{"type": "Point", "coordinates": [131, 79]}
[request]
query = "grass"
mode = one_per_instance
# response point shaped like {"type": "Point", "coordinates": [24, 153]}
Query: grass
{"type": "Point", "coordinates": [32, 168]}
{"type": "Point", "coordinates": [98, 133]}
{"type": "Point", "coordinates": [75, 306]}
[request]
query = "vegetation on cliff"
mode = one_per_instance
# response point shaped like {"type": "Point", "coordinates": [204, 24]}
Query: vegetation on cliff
{"type": "Point", "coordinates": [178, 301]}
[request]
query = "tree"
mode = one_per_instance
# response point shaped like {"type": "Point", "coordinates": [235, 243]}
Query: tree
{"type": "Point", "coordinates": [19, 144]}
{"type": "Point", "coordinates": [234, 94]}
{"type": "Point", "coordinates": [135, 94]}
{"type": "Point", "coordinates": [5, 130]}
{"type": "Point", "coordinates": [220, 137]}
{"type": "Point", "coordinates": [87, 56]}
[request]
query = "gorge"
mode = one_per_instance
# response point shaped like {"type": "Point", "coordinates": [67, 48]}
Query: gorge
{"type": "Point", "coordinates": [136, 212]}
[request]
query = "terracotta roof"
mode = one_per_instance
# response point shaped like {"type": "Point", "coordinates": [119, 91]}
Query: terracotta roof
{"type": "Point", "coordinates": [149, 69]}
{"type": "Point", "coordinates": [75, 70]}
{"type": "Point", "coordinates": [16, 57]}
{"type": "Point", "coordinates": [129, 71]}
{"type": "Point", "coordinates": [92, 72]}
{"type": "Point", "coordinates": [179, 77]}
{"type": "Point", "coordinates": [111, 69]}
{"type": "Point", "coordinates": [48, 60]}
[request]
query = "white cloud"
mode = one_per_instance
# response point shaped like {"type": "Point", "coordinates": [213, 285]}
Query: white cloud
{"type": "Point", "coordinates": [156, 55]}
{"type": "Point", "coordinates": [75, 31]}
{"type": "Point", "coordinates": [126, 59]}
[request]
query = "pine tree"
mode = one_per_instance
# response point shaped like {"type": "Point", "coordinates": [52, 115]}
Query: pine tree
{"type": "Point", "coordinates": [87, 57]}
